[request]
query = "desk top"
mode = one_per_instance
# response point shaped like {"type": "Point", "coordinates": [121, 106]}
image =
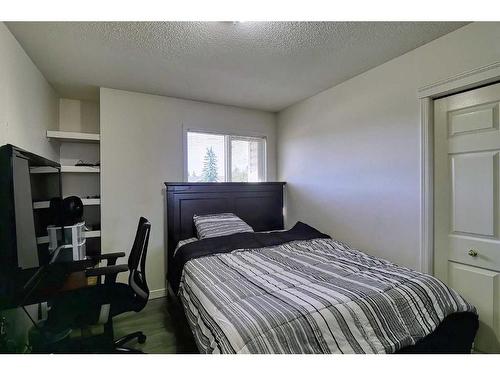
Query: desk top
{"type": "Point", "coordinates": [74, 280]}
{"type": "Point", "coordinates": [54, 279]}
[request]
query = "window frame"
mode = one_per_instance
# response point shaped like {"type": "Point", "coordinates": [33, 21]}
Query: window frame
{"type": "Point", "coordinates": [228, 137]}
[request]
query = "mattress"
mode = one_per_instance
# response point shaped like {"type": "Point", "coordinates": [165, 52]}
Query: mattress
{"type": "Point", "coordinates": [300, 291]}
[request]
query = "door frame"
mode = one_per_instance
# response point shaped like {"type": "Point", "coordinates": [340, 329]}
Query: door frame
{"type": "Point", "coordinates": [426, 95]}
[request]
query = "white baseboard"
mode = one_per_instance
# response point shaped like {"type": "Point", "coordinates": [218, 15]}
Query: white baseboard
{"type": "Point", "coordinates": [157, 293]}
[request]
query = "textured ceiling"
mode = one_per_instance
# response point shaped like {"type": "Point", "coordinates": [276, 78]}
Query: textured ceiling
{"type": "Point", "coordinates": [264, 65]}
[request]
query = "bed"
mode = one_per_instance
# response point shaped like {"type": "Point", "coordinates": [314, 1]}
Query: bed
{"type": "Point", "coordinates": [298, 291]}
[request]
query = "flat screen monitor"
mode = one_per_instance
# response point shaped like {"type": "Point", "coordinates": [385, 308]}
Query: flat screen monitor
{"type": "Point", "coordinates": [27, 184]}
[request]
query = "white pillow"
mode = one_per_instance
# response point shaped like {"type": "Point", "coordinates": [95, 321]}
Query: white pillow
{"type": "Point", "coordinates": [216, 225]}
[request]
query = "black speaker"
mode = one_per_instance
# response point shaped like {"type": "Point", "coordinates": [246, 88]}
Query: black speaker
{"type": "Point", "coordinates": [67, 211]}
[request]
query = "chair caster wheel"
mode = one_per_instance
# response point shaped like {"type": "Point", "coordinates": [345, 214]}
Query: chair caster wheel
{"type": "Point", "coordinates": [141, 339]}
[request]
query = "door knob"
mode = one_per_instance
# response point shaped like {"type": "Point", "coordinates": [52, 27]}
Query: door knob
{"type": "Point", "coordinates": [472, 253]}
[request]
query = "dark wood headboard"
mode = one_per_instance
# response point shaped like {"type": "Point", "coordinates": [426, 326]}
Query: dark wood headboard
{"type": "Point", "coordinates": [259, 204]}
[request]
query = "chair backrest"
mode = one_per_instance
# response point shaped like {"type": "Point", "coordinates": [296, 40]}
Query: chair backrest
{"type": "Point", "coordinates": [137, 263]}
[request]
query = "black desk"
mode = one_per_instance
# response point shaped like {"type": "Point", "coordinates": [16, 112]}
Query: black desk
{"type": "Point", "coordinates": [53, 279]}
{"type": "Point", "coordinates": [46, 284]}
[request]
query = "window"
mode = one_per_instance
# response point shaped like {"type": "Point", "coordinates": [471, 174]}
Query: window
{"type": "Point", "coordinates": [225, 158]}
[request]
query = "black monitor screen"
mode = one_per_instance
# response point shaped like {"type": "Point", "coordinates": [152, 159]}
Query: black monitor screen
{"type": "Point", "coordinates": [27, 184]}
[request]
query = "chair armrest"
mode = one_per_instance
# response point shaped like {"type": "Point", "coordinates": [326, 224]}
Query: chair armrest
{"type": "Point", "coordinates": [110, 257]}
{"type": "Point", "coordinates": [79, 265]}
{"type": "Point", "coordinates": [104, 271]}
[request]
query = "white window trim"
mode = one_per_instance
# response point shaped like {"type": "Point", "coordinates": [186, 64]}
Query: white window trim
{"type": "Point", "coordinates": [229, 134]}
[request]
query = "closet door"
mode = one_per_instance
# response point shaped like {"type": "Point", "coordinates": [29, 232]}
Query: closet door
{"type": "Point", "coordinates": [466, 202]}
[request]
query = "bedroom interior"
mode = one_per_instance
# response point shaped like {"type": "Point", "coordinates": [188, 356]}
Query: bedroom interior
{"type": "Point", "coordinates": [250, 187]}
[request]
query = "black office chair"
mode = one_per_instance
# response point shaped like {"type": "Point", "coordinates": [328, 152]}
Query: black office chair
{"type": "Point", "coordinates": [100, 303]}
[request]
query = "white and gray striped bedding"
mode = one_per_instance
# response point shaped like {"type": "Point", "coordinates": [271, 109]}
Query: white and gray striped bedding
{"type": "Point", "coordinates": [216, 225]}
{"type": "Point", "coordinates": [314, 296]}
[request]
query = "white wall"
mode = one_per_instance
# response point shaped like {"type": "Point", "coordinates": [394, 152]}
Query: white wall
{"type": "Point", "coordinates": [28, 104]}
{"type": "Point", "coordinates": [350, 155]}
{"type": "Point", "coordinates": [78, 116]}
{"type": "Point", "coordinates": [142, 147]}
{"type": "Point", "coordinates": [28, 107]}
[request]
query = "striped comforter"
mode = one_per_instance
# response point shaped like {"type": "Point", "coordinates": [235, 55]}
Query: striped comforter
{"type": "Point", "coordinates": [313, 296]}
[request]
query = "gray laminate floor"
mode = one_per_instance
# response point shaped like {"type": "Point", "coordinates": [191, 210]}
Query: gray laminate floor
{"type": "Point", "coordinates": [165, 333]}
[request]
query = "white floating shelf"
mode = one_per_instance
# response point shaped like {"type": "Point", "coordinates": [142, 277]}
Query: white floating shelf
{"type": "Point", "coordinates": [89, 234]}
{"type": "Point", "coordinates": [73, 136]}
{"type": "Point", "coordinates": [79, 169]}
{"type": "Point", "coordinates": [65, 169]}
{"type": "Point", "coordinates": [42, 240]}
{"type": "Point", "coordinates": [93, 234]}
{"type": "Point", "coordinates": [86, 202]}
{"type": "Point", "coordinates": [42, 204]}
{"type": "Point", "coordinates": [37, 170]}
{"type": "Point", "coordinates": [91, 201]}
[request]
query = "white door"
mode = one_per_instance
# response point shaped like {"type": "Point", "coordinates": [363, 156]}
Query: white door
{"type": "Point", "coordinates": [466, 203]}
